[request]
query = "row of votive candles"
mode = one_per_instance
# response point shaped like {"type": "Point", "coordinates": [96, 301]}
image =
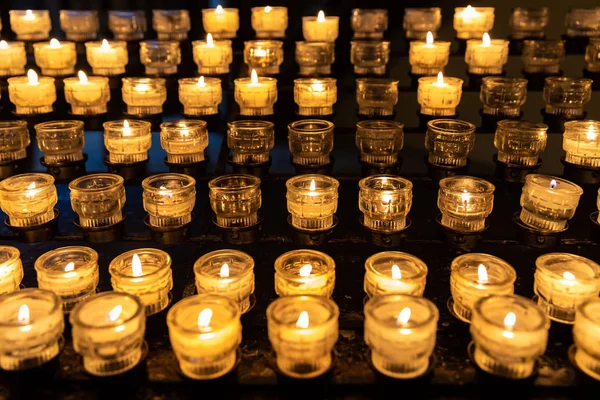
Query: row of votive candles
{"type": "Point", "coordinates": [509, 332]}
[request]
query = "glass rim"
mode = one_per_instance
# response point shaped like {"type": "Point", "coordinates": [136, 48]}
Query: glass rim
{"type": "Point", "coordinates": [48, 296]}
{"type": "Point", "coordinates": [75, 319]}
{"type": "Point", "coordinates": [133, 123]}
{"type": "Point", "coordinates": [249, 124]}
{"type": "Point", "coordinates": [164, 267]}
{"type": "Point", "coordinates": [280, 261]}
{"type": "Point", "coordinates": [15, 124]}
{"type": "Point", "coordinates": [445, 184]}
{"type": "Point", "coordinates": [190, 182]}
{"type": "Point", "coordinates": [47, 183]}
{"type": "Point", "coordinates": [194, 80]}
{"type": "Point", "coordinates": [542, 267]}
{"type": "Point", "coordinates": [253, 182]}
{"type": "Point", "coordinates": [374, 303]}
{"type": "Point", "coordinates": [188, 124]}
{"type": "Point", "coordinates": [117, 181]}
{"type": "Point", "coordinates": [323, 126]}
{"type": "Point", "coordinates": [522, 125]}
{"type": "Point", "coordinates": [112, 43]}
{"type": "Point", "coordinates": [507, 268]}
{"type": "Point", "coordinates": [334, 183]}
{"type": "Point", "coordinates": [14, 254]}
{"type": "Point", "coordinates": [326, 303]}
{"type": "Point", "coordinates": [408, 185]}
{"type": "Point", "coordinates": [202, 298]}
{"type": "Point", "coordinates": [199, 263]}
{"type": "Point", "coordinates": [523, 301]}
{"type": "Point", "coordinates": [40, 263]}
{"type": "Point", "coordinates": [382, 124]}
{"type": "Point", "coordinates": [574, 189]}
{"type": "Point", "coordinates": [59, 125]}
{"type": "Point", "coordinates": [464, 127]}
{"type": "Point", "coordinates": [423, 270]}
{"type": "Point", "coordinates": [323, 80]}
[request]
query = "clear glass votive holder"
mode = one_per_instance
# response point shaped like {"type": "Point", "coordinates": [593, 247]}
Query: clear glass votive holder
{"type": "Point", "coordinates": [580, 142]}
{"type": "Point", "coordinates": [567, 96]}
{"type": "Point", "coordinates": [583, 21]}
{"type": "Point", "coordinates": [126, 141]}
{"type": "Point", "coordinates": [169, 199]}
{"type": "Point", "coordinates": [394, 272]}
{"type": "Point", "coordinates": [315, 58]}
{"type": "Point", "coordinates": [250, 141]}
{"type": "Point", "coordinates": [256, 96]}
{"type": "Point", "coordinates": [520, 143]}
{"type": "Point", "coordinates": [304, 272]}
{"type": "Point", "coordinates": [465, 202]}
{"type": "Point", "coordinates": [79, 25]}
{"type": "Point", "coordinates": [144, 96]}
{"type": "Point", "coordinates": [315, 96]}
{"type": "Point", "coordinates": [486, 58]}
{"type": "Point", "coordinates": [592, 55]}
{"type": "Point", "coordinates": [449, 142]}
{"type": "Point", "coordinates": [269, 22]}
{"type": "Point", "coordinates": [503, 96]}
{"type": "Point", "coordinates": [55, 58]}
{"type": "Point", "coordinates": [98, 199]}
{"type": "Point", "coordinates": [32, 95]}
{"type": "Point", "coordinates": [87, 95]}
{"type": "Point", "coordinates": [472, 22]}
{"type": "Point", "coordinates": [28, 199]}
{"type": "Point", "coordinates": [12, 269]}
{"type": "Point", "coordinates": [127, 25]}
{"type": "Point", "coordinates": [310, 141]}
{"type": "Point", "coordinates": [61, 141]}
{"type": "Point", "coordinates": [107, 58]}
{"type": "Point", "coordinates": [200, 96]}
{"type": "Point", "coordinates": [542, 56]}
{"type": "Point", "coordinates": [586, 334]}
{"type": "Point", "coordinates": [312, 201]}
{"type": "Point", "coordinates": [369, 57]}
{"type": "Point", "coordinates": [171, 24]}
{"type": "Point", "coordinates": [160, 57]}
{"type": "Point", "coordinates": [376, 96]}
{"type": "Point", "coordinates": [14, 139]}
{"type": "Point", "coordinates": [527, 22]}
{"type": "Point", "coordinates": [418, 21]}
{"type": "Point", "coordinates": [439, 96]}
{"type": "Point", "coordinates": [379, 141]}
{"type": "Point", "coordinates": [222, 22]}
{"type": "Point", "coordinates": [30, 25]}
{"type": "Point", "coordinates": [212, 57]}
{"type": "Point", "coordinates": [13, 58]}
{"type": "Point", "coordinates": [428, 58]}
{"type": "Point", "coordinates": [369, 23]}
{"type": "Point", "coordinates": [264, 56]}
{"type": "Point", "coordinates": [184, 140]}
{"type": "Point", "coordinates": [235, 199]}
{"type": "Point", "coordinates": [385, 201]}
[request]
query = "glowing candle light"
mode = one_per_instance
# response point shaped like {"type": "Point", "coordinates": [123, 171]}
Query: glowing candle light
{"type": "Point", "coordinates": [11, 269]}
{"type": "Point", "coordinates": [126, 141]}
{"type": "Point", "coordinates": [212, 57]}
{"type": "Point", "coordinates": [87, 95]}
{"type": "Point", "coordinates": [55, 58]}
{"type": "Point", "coordinates": [385, 202]}
{"type": "Point", "coordinates": [429, 57]}
{"type": "Point", "coordinates": [255, 96]}
{"type": "Point", "coordinates": [28, 199]}
{"type": "Point", "coordinates": [32, 95]}
{"type": "Point", "coordinates": [144, 96]}
{"type": "Point", "coordinates": [107, 58]}
{"type": "Point", "coordinates": [12, 58]}
{"type": "Point", "coordinates": [586, 335]}
{"type": "Point", "coordinates": [472, 22]}
{"type": "Point", "coordinates": [312, 201]}
{"type": "Point", "coordinates": [304, 272]}
{"type": "Point", "coordinates": [269, 22]}
{"type": "Point", "coordinates": [320, 28]}
{"type": "Point", "coordinates": [465, 203]}
{"type": "Point", "coordinates": [223, 23]}
{"type": "Point", "coordinates": [169, 199]}
{"type": "Point", "coordinates": [439, 96]}
{"type": "Point", "coordinates": [486, 56]}
{"type": "Point", "coordinates": [394, 272]}
{"type": "Point", "coordinates": [30, 25]}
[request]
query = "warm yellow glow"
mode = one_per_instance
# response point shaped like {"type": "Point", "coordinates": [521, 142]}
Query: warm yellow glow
{"type": "Point", "coordinates": [387, 198]}
{"type": "Point", "coordinates": [136, 266]}
{"type": "Point", "coordinates": [30, 191]}
{"type": "Point", "coordinates": [209, 41]}
{"type": "Point", "coordinates": [105, 45]}
{"type": "Point", "coordinates": [219, 9]}
{"type": "Point", "coordinates": [440, 80]}
{"type": "Point", "coordinates": [303, 320]}
{"type": "Point", "coordinates": [204, 318]}
{"type": "Point", "coordinates": [553, 184]}
{"type": "Point", "coordinates": [591, 132]}
{"type": "Point", "coordinates": [23, 316]}
{"type": "Point", "coordinates": [268, 9]}
{"type": "Point", "coordinates": [32, 77]}
{"type": "Point", "coordinates": [29, 15]}
{"type": "Point", "coordinates": [469, 13]}
{"type": "Point", "coordinates": [141, 87]}
{"type": "Point", "coordinates": [201, 82]}
{"type": "Point", "coordinates": [465, 197]}
{"type": "Point", "coordinates": [224, 272]}
{"type": "Point", "coordinates": [404, 316]}
{"type": "Point", "coordinates": [321, 16]}
{"type": "Point", "coordinates": [82, 77]}
{"type": "Point", "coordinates": [254, 76]}
{"type": "Point", "coordinates": [305, 270]}
{"type": "Point", "coordinates": [482, 275]}
{"type": "Point", "coordinates": [126, 128]}
{"type": "Point", "coordinates": [115, 313]}
{"type": "Point", "coordinates": [396, 272]}
{"type": "Point", "coordinates": [429, 38]}
{"type": "Point", "coordinates": [312, 187]}
{"type": "Point", "coordinates": [509, 324]}
{"type": "Point", "coordinates": [317, 87]}
{"type": "Point", "coordinates": [70, 267]}
{"type": "Point", "coordinates": [569, 276]}
{"type": "Point", "coordinates": [259, 52]}
{"type": "Point", "coordinates": [54, 44]}
{"type": "Point", "coordinates": [3, 44]}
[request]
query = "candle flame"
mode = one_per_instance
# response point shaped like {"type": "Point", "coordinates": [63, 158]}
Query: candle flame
{"type": "Point", "coordinates": [485, 40]}
{"type": "Point", "coordinates": [30, 191]}
{"type": "Point", "coordinates": [105, 45]}
{"type": "Point", "coordinates": [254, 76]}
{"type": "Point", "coordinates": [569, 276]}
{"type": "Point", "coordinates": [482, 275]}
{"type": "Point", "coordinates": [553, 184]}
{"type": "Point", "coordinates": [219, 9]}
{"type": "Point", "coordinates": [209, 41]}
{"type": "Point", "coordinates": [305, 270]}
{"type": "Point", "coordinates": [429, 38]}
{"type": "Point", "coordinates": [70, 267]}
{"type": "Point", "coordinates": [396, 272]}
{"type": "Point", "coordinates": [82, 77]}
{"type": "Point", "coordinates": [201, 82]}
{"type": "Point", "coordinates": [54, 44]}
{"type": "Point", "coordinates": [136, 265]}
{"type": "Point", "coordinates": [317, 87]}
{"type": "Point", "coordinates": [313, 186]}
{"type": "Point", "coordinates": [509, 325]}
{"type": "Point", "coordinates": [303, 320]}
{"type": "Point", "coordinates": [440, 79]}
{"type": "Point", "coordinates": [469, 13]}
{"type": "Point", "coordinates": [404, 316]}
{"type": "Point", "coordinates": [126, 128]}
{"type": "Point", "coordinates": [114, 314]}
{"type": "Point", "coordinates": [387, 198]}
{"type": "Point", "coordinates": [224, 272]}
{"type": "Point", "coordinates": [204, 318]}
{"type": "Point", "coordinates": [32, 77]}
{"type": "Point", "coordinates": [29, 15]}
{"type": "Point", "coordinates": [591, 132]}
{"type": "Point", "coordinates": [465, 197]}
{"type": "Point", "coordinates": [321, 16]}
{"type": "Point", "coordinates": [3, 44]}
{"type": "Point", "coordinates": [23, 317]}
{"type": "Point", "coordinates": [268, 9]}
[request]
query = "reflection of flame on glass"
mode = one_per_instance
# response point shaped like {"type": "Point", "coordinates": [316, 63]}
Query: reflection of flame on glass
{"type": "Point", "coordinates": [509, 325]}
{"type": "Point", "coordinates": [224, 272]}
{"type": "Point", "coordinates": [303, 320]}
{"type": "Point", "coordinates": [305, 270]}
{"type": "Point", "coordinates": [482, 275]}
{"type": "Point", "coordinates": [136, 266]}
{"type": "Point", "coordinates": [568, 279]}
{"type": "Point", "coordinates": [70, 270]}
{"type": "Point", "coordinates": [590, 134]}
{"type": "Point", "coordinates": [30, 192]}
{"type": "Point", "coordinates": [204, 318]}
{"type": "Point", "coordinates": [23, 316]}
{"type": "Point", "coordinates": [396, 272]}
{"type": "Point", "coordinates": [115, 313]}
{"type": "Point", "coordinates": [465, 197]}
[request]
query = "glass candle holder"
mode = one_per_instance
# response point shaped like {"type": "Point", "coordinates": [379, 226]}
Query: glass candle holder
{"type": "Point", "coordinates": [385, 201]}
{"type": "Point", "coordinates": [32, 95]}
{"type": "Point", "coordinates": [235, 199]}
{"type": "Point", "coordinates": [310, 141]}
{"type": "Point", "coordinates": [567, 96]}
{"type": "Point", "coordinates": [376, 96]}
{"type": "Point", "coordinates": [126, 141]}
{"type": "Point", "coordinates": [70, 272]}
{"type": "Point", "coordinates": [107, 58]}
{"type": "Point", "coordinates": [528, 22]}
{"type": "Point", "coordinates": [127, 25]}
{"type": "Point", "coordinates": [145, 273]}
{"type": "Point", "coordinates": [520, 142]}
{"type": "Point", "coordinates": [320, 28]}
{"type": "Point", "coordinates": [160, 57]}
{"type": "Point", "coordinates": [228, 273]}
{"type": "Point", "coordinates": [205, 332]}
{"type": "Point", "coordinates": [369, 57]}
{"type": "Point", "coordinates": [144, 96]}
{"type": "Point", "coordinates": [369, 23]}
{"type": "Point", "coordinates": [79, 25]}
{"type": "Point", "coordinates": [269, 22]}
{"type": "Point", "coordinates": [250, 141]}
{"type": "Point", "coordinates": [509, 332]}
{"type": "Point", "coordinates": [171, 24]}
{"type": "Point", "coordinates": [108, 332]}
{"type": "Point", "coordinates": [31, 330]}
{"type": "Point", "coordinates": [449, 142]}
{"type": "Point", "coordinates": [212, 57]}
{"type": "Point", "coordinates": [312, 200]}
{"type": "Point", "coordinates": [548, 202]}
{"type": "Point", "coordinates": [503, 96]}
{"type": "Point", "coordinates": [476, 275]}
{"type": "Point", "coordinates": [303, 331]}
{"type": "Point", "coordinates": [30, 25]}
{"type": "Point", "coordinates": [486, 56]}
{"type": "Point", "coordinates": [542, 56]}
{"type": "Point", "coordinates": [28, 199]}
{"type": "Point", "coordinates": [12, 58]}
{"type": "Point", "coordinates": [394, 272]}
{"type": "Point", "coordinates": [264, 56]}
{"type": "Point", "coordinates": [315, 96]}
{"type": "Point", "coordinates": [439, 96]}
{"type": "Point", "coordinates": [255, 96]}
{"type": "Point", "coordinates": [304, 272]}
{"type": "Point", "coordinates": [98, 199]}
{"type": "Point", "coordinates": [592, 55]}
{"type": "Point", "coordinates": [169, 199]}
{"type": "Point", "coordinates": [223, 23]}
{"type": "Point", "coordinates": [87, 95]}
{"type": "Point", "coordinates": [586, 333]}
{"type": "Point", "coordinates": [473, 22]}
{"type": "Point", "coordinates": [428, 57]}
{"type": "Point", "coordinates": [581, 143]}
{"type": "Point", "coordinates": [12, 269]}
{"type": "Point", "coordinates": [200, 96]}
{"type": "Point", "coordinates": [315, 58]}
{"type": "Point", "coordinates": [379, 141]}
{"type": "Point", "coordinates": [465, 202]}
{"type": "Point", "coordinates": [400, 331]}
{"type": "Point", "coordinates": [14, 139]}
{"type": "Point", "coordinates": [583, 21]}
{"type": "Point", "coordinates": [418, 21]}
{"type": "Point", "coordinates": [184, 140]}
{"type": "Point", "coordinates": [61, 141]}
{"type": "Point", "coordinates": [55, 58]}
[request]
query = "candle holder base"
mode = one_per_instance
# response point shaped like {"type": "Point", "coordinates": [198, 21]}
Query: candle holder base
{"type": "Point", "coordinates": [376, 113]}
{"type": "Point", "coordinates": [465, 241]}
{"type": "Point", "coordinates": [301, 374]}
{"type": "Point", "coordinates": [556, 122]}
{"type": "Point", "coordinates": [32, 371]}
{"type": "Point", "coordinates": [324, 169]}
{"type": "Point", "coordinates": [13, 167]}
{"type": "Point", "coordinates": [536, 238]}
{"type": "Point", "coordinates": [129, 172]}
{"type": "Point", "coordinates": [537, 80]}
{"type": "Point", "coordinates": [595, 227]}
{"type": "Point", "coordinates": [515, 382]}
{"type": "Point", "coordinates": [489, 122]}
{"type": "Point", "coordinates": [239, 235]}
{"type": "Point", "coordinates": [195, 170]}
{"type": "Point", "coordinates": [102, 234]}
{"type": "Point", "coordinates": [386, 239]}
{"type": "Point", "coordinates": [260, 170]}
{"type": "Point", "coordinates": [368, 169]}
{"type": "Point", "coordinates": [311, 238]}
{"type": "Point", "coordinates": [168, 235]}
{"type": "Point", "coordinates": [586, 377]}
{"type": "Point", "coordinates": [438, 172]}
{"type": "Point", "coordinates": [575, 44]}
{"type": "Point", "coordinates": [37, 233]}
{"type": "Point", "coordinates": [579, 174]}
{"type": "Point", "coordinates": [425, 118]}
{"type": "Point", "coordinates": [423, 377]}
{"type": "Point", "coordinates": [66, 171]}
{"type": "Point", "coordinates": [514, 173]}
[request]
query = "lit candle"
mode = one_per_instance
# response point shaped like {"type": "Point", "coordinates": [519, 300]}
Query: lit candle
{"type": "Point", "coordinates": [428, 57]}
{"type": "Point", "coordinates": [85, 192]}
{"type": "Point", "coordinates": [385, 201]}
{"type": "Point", "coordinates": [315, 58]}
{"type": "Point", "coordinates": [264, 56]}
{"type": "Point", "coordinates": [419, 21]}
{"type": "Point", "coordinates": [503, 97]}
{"type": "Point", "coordinates": [509, 333]}
{"type": "Point", "coordinates": [582, 143]}
{"type": "Point", "coordinates": [376, 96]}
{"type": "Point", "coordinates": [212, 56]}
{"type": "Point", "coordinates": [223, 23]}
{"type": "Point", "coordinates": [449, 142]}
{"type": "Point", "coordinates": [28, 199]}
{"type": "Point", "coordinates": [205, 332]}
{"type": "Point", "coordinates": [255, 96]}
{"type": "Point", "coordinates": [61, 141]}
{"type": "Point", "coordinates": [171, 24]}
{"type": "Point", "coordinates": [184, 140]}
{"type": "Point", "coordinates": [269, 22]}
{"type": "Point", "coordinates": [566, 97]}
{"type": "Point", "coordinates": [394, 272]}
{"type": "Point", "coordinates": [586, 335]}
{"type": "Point", "coordinates": [107, 58]}
{"type": "Point", "coordinates": [320, 28]}
{"type": "Point", "coordinates": [310, 141]}
{"type": "Point", "coordinates": [228, 273]}
{"type": "Point", "coordinates": [12, 58]}
{"type": "Point", "coordinates": [304, 272]}
{"type": "Point", "coordinates": [250, 141]}
{"type": "Point", "coordinates": [145, 273]}
{"type": "Point", "coordinates": [486, 56]}
{"type": "Point", "coordinates": [14, 139]}
{"type": "Point", "coordinates": [79, 25]}
{"type": "Point", "coordinates": [144, 96]}
{"type": "Point", "coordinates": [315, 96]}
{"type": "Point", "coordinates": [439, 96]}
{"type": "Point", "coordinates": [583, 22]}
{"type": "Point", "coordinates": [472, 22]}
{"type": "Point", "coordinates": [169, 199]}
{"type": "Point", "coordinates": [200, 96]}
{"type": "Point", "coordinates": [235, 199]}
{"type": "Point", "coordinates": [127, 141]}
{"type": "Point", "coordinates": [528, 22]}
{"type": "Point", "coordinates": [520, 143]}
{"type": "Point", "coordinates": [542, 56]}
{"type": "Point", "coordinates": [369, 23]}
{"type": "Point", "coordinates": [87, 95]}
{"type": "Point", "coordinates": [379, 141]}
{"type": "Point", "coordinates": [465, 202]}
{"type": "Point", "coordinates": [11, 269]}
{"type": "Point", "coordinates": [312, 200]}
{"type": "Point", "coordinates": [30, 25]}
{"type": "Point", "coordinates": [400, 331]}
{"type": "Point", "coordinates": [55, 58]}
{"type": "Point", "coordinates": [32, 94]}
{"type": "Point", "coordinates": [127, 25]}
{"type": "Point", "coordinates": [32, 326]}
{"type": "Point", "coordinates": [108, 331]}
{"type": "Point", "coordinates": [160, 57]}
{"type": "Point", "coordinates": [476, 275]}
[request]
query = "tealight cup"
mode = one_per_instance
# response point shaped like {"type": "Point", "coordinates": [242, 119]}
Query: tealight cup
{"type": "Point", "coordinates": [385, 201]}
{"type": "Point", "coordinates": [235, 199]}
{"type": "Point", "coordinates": [13, 58]}
{"type": "Point", "coordinates": [255, 96]}
{"type": "Point", "coordinates": [304, 272]}
{"type": "Point", "coordinates": [310, 141]}
{"type": "Point", "coordinates": [269, 22]}
{"type": "Point", "coordinates": [61, 141]}
{"type": "Point", "coordinates": [80, 25]}
{"type": "Point", "coordinates": [107, 58]}
{"type": "Point", "coordinates": [586, 333]}
{"type": "Point", "coordinates": [171, 24]}
{"type": "Point", "coordinates": [160, 57]}
{"type": "Point", "coordinates": [144, 96]}
{"type": "Point", "coordinates": [312, 201]}
{"type": "Point", "coordinates": [583, 21]}
{"type": "Point", "coordinates": [87, 95]}
{"type": "Point", "coordinates": [439, 96]}
{"type": "Point", "coordinates": [580, 142]}
{"type": "Point", "coordinates": [473, 22]}
{"type": "Point", "coordinates": [127, 141]}
{"type": "Point", "coordinates": [567, 96]}
{"type": "Point", "coordinates": [592, 55]}
{"type": "Point", "coordinates": [14, 139]}
{"type": "Point", "coordinates": [250, 141]}
{"type": "Point", "coordinates": [223, 23]}
{"type": "Point", "coordinates": [127, 25]}
{"type": "Point", "coordinates": [369, 57]}
{"type": "Point", "coordinates": [520, 143]}
{"type": "Point", "coordinates": [320, 28]}
{"type": "Point", "coordinates": [315, 58]}
{"type": "Point", "coordinates": [369, 23]}
{"type": "Point", "coordinates": [376, 96]}
{"type": "Point", "coordinates": [30, 25]}
{"type": "Point", "coordinates": [394, 272]}
{"type": "Point", "coordinates": [169, 199]}
{"type": "Point", "coordinates": [184, 140]}
{"type": "Point", "coordinates": [200, 96]}
{"type": "Point", "coordinates": [28, 199]}
{"type": "Point", "coordinates": [315, 96]}
{"type": "Point", "coordinates": [379, 141]}
{"type": "Point", "coordinates": [212, 57]}
{"type": "Point", "coordinates": [98, 199]}
{"type": "Point", "coordinates": [502, 96]}
{"type": "Point", "coordinates": [12, 269]}
{"type": "Point", "coordinates": [55, 58]}
{"type": "Point", "coordinates": [449, 142]}
{"type": "Point", "coordinates": [528, 22]}
{"type": "Point", "coordinates": [542, 56]}
{"type": "Point", "coordinates": [465, 202]}
{"type": "Point", "coordinates": [418, 21]}
{"type": "Point", "coordinates": [32, 95]}
{"type": "Point", "coordinates": [264, 56]}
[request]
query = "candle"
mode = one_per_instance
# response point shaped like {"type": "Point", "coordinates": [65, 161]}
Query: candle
{"type": "Point", "coordinates": [32, 326]}
{"type": "Point", "coordinates": [379, 141]}
{"type": "Point", "coordinates": [28, 199]}
{"type": "Point", "coordinates": [212, 57]}
{"type": "Point", "coordinates": [528, 22]}
{"type": "Point", "coordinates": [562, 282]}
{"type": "Point", "coordinates": [200, 96]}
{"type": "Point", "coordinates": [144, 96]}
{"type": "Point", "coordinates": [55, 58]}
{"type": "Point", "coordinates": [223, 23]}
{"type": "Point", "coordinates": [581, 143]}
{"type": "Point", "coordinates": [312, 200]}
{"type": "Point", "coordinates": [567, 97]}
{"type": "Point", "coordinates": [303, 331]}
{"type": "Point", "coordinates": [98, 199]}
{"type": "Point", "coordinates": [428, 57]}
{"type": "Point", "coordinates": [376, 96]}
{"type": "Point", "coordinates": [264, 56]}
{"type": "Point", "coordinates": [145, 273]}
{"type": "Point", "coordinates": [160, 57]}
{"type": "Point", "coordinates": [592, 55]}
{"type": "Point", "coordinates": [269, 22]}
{"type": "Point", "coordinates": [548, 202]}
{"type": "Point", "coordinates": [171, 24]}
{"type": "Point", "coordinates": [108, 332]}
{"type": "Point", "coordinates": [369, 23]}
{"type": "Point", "coordinates": [30, 25]}
{"type": "Point", "coordinates": [486, 56]}
{"type": "Point", "coordinates": [369, 57]}
{"type": "Point", "coordinates": [385, 201]}
{"type": "Point", "coordinates": [586, 335]}
{"type": "Point", "coordinates": [465, 202]}
{"type": "Point", "coordinates": [477, 275]}
{"type": "Point", "coordinates": [449, 142]}
{"type": "Point", "coordinates": [126, 141]}
{"type": "Point", "coordinates": [400, 331]}
{"type": "Point", "coordinates": [315, 58]}
{"type": "Point", "coordinates": [107, 58]}
{"type": "Point", "coordinates": [235, 199]}
{"type": "Point", "coordinates": [228, 273]}
{"type": "Point", "coordinates": [87, 95]}
{"type": "Point", "coordinates": [61, 141]}
{"type": "Point", "coordinates": [304, 272]}
{"type": "Point", "coordinates": [11, 269]}
{"type": "Point", "coordinates": [394, 272]}
{"type": "Point", "coordinates": [14, 139]}
{"type": "Point", "coordinates": [80, 25]}
{"type": "Point", "coordinates": [70, 272]}
{"type": "Point", "coordinates": [127, 25]}
{"type": "Point", "coordinates": [418, 22]}
{"type": "Point", "coordinates": [509, 333]}
{"type": "Point", "coordinates": [503, 96]}
{"type": "Point", "coordinates": [310, 141]}
{"type": "Point", "coordinates": [520, 143]}
{"type": "Point", "coordinates": [169, 199]}
{"type": "Point", "coordinates": [320, 28]}
{"type": "Point", "coordinates": [205, 332]}
{"type": "Point", "coordinates": [184, 140]}
{"type": "Point", "coordinates": [583, 21]}
{"type": "Point", "coordinates": [255, 95]}
{"type": "Point", "coordinates": [250, 141]}
{"type": "Point", "coordinates": [472, 22]}
{"type": "Point", "coordinates": [32, 95]}
{"type": "Point", "coordinates": [315, 96]}
{"type": "Point", "coordinates": [439, 96]}
{"type": "Point", "coordinates": [12, 58]}
{"type": "Point", "coordinates": [542, 56]}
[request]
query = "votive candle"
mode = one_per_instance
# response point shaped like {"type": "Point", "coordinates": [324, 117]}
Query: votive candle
{"type": "Point", "coordinates": [311, 141]}
{"type": "Point", "coordinates": [235, 199]}
{"type": "Point", "coordinates": [449, 142]}
{"type": "Point", "coordinates": [255, 96]}
{"type": "Point", "coordinates": [304, 272]}
{"type": "Point", "coordinates": [250, 141]}
{"type": "Point", "coordinates": [171, 24]}
{"type": "Point", "coordinates": [107, 58]}
{"type": "Point", "coordinates": [127, 141]}
{"type": "Point", "coordinates": [418, 22]}
{"type": "Point", "coordinates": [87, 95]}
{"type": "Point", "coordinates": [581, 142]}
{"type": "Point", "coordinates": [55, 58]}
{"type": "Point", "coordinates": [32, 94]}
{"type": "Point", "coordinates": [212, 56]}
{"type": "Point", "coordinates": [369, 23]}
{"type": "Point", "coordinates": [385, 201]}
{"type": "Point", "coordinates": [169, 199]}
{"type": "Point", "coordinates": [428, 57]}
{"type": "Point", "coordinates": [222, 23]}
{"type": "Point", "coordinates": [11, 269]}
{"type": "Point", "coordinates": [200, 96]}
{"type": "Point", "coordinates": [312, 201]}
{"type": "Point", "coordinates": [320, 28]}
{"type": "Point", "coordinates": [486, 56]}
{"type": "Point", "coordinates": [79, 25]}
{"type": "Point", "coordinates": [473, 22]}
{"type": "Point", "coordinates": [520, 143]}
{"type": "Point", "coordinates": [12, 58]}
{"type": "Point", "coordinates": [98, 199]}
{"type": "Point", "coordinates": [269, 22]}
{"type": "Point", "coordinates": [264, 56]}
{"type": "Point", "coordinates": [465, 202]}
{"type": "Point", "coordinates": [586, 334]}
{"type": "Point", "coordinates": [61, 141]}
{"type": "Point", "coordinates": [127, 25]}
{"type": "Point", "coordinates": [394, 272]}
{"type": "Point", "coordinates": [28, 199]}
{"type": "Point", "coordinates": [30, 25]}
{"type": "Point", "coordinates": [144, 96]}
{"type": "Point", "coordinates": [315, 96]}
{"type": "Point", "coordinates": [439, 96]}
{"type": "Point", "coordinates": [184, 140]}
